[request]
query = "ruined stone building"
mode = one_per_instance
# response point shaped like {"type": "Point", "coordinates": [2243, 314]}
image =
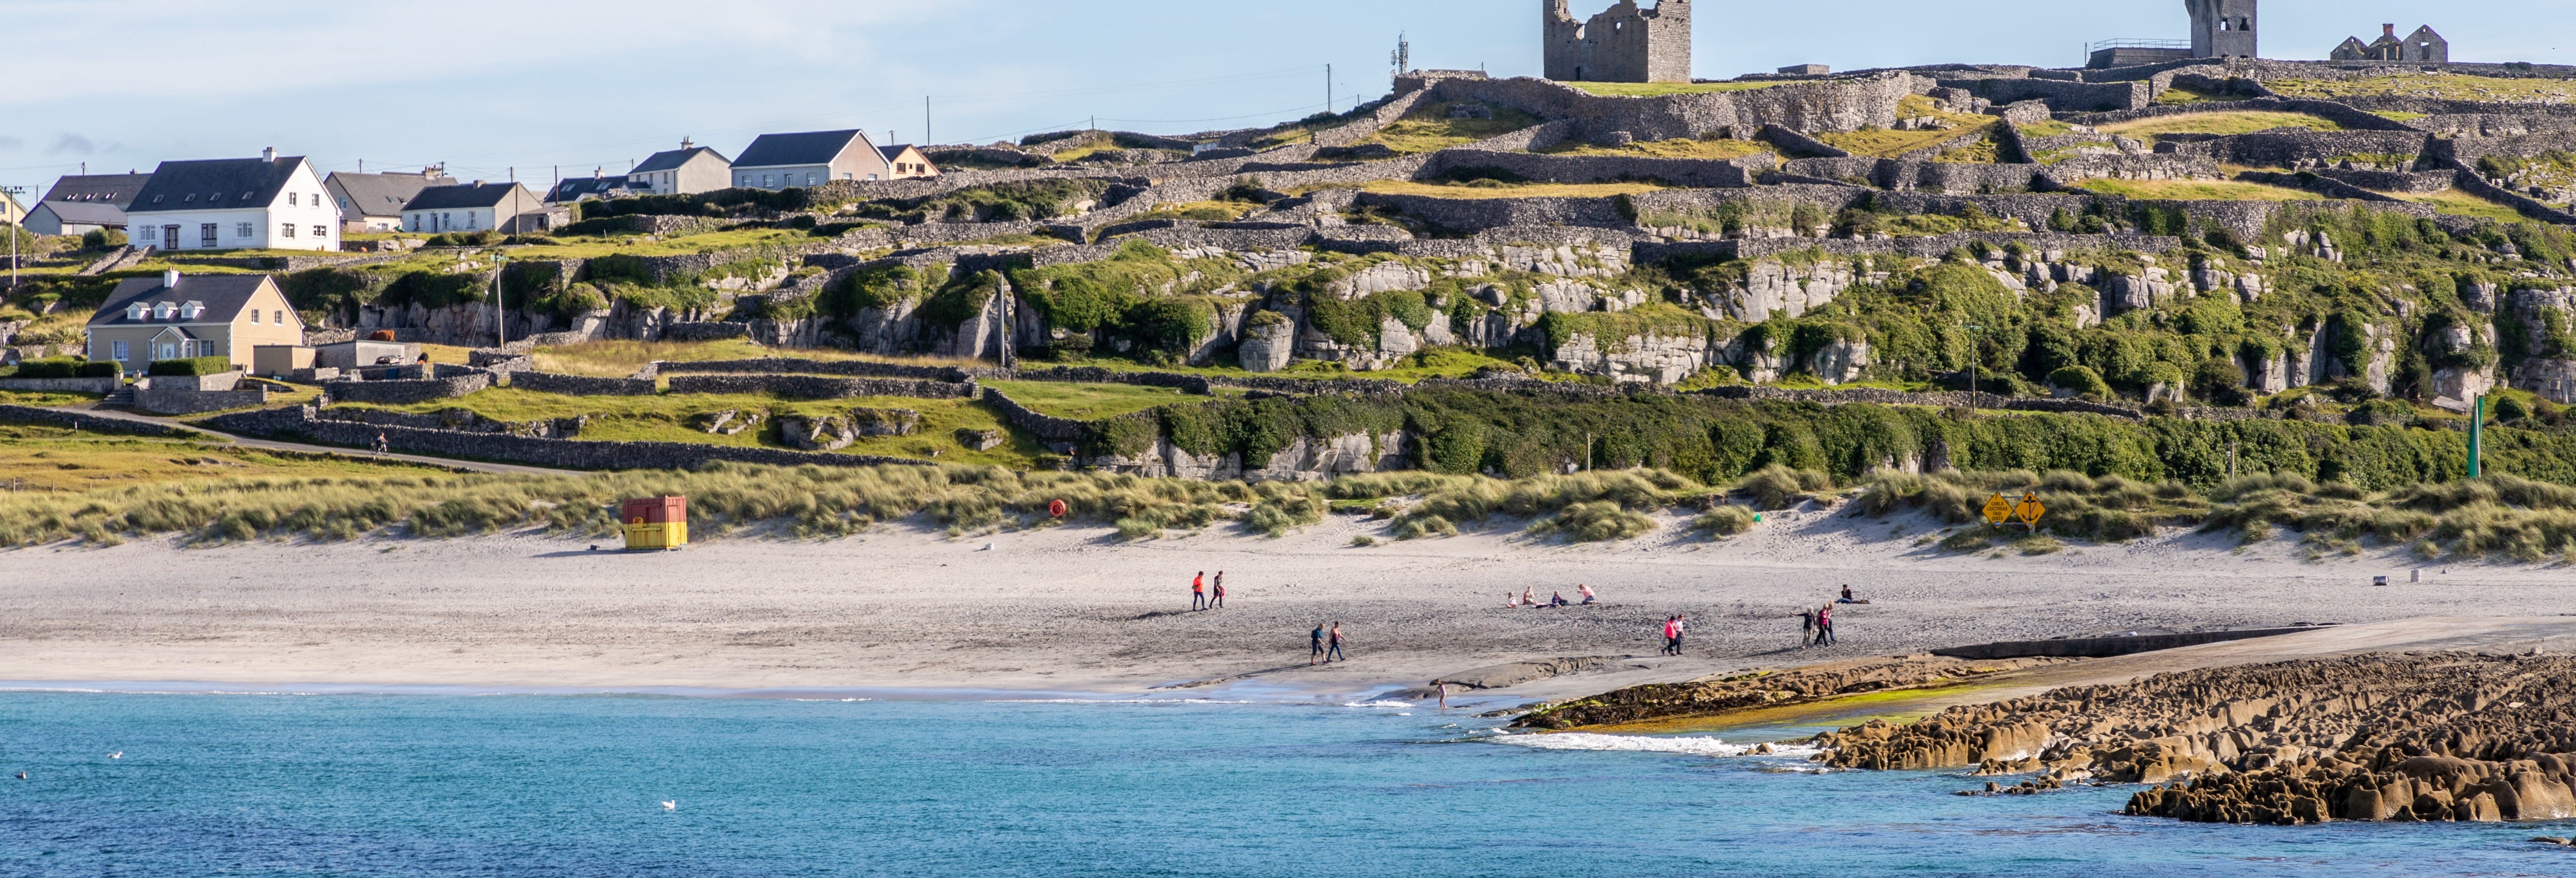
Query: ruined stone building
{"type": "Point", "coordinates": [2423, 45]}
{"type": "Point", "coordinates": [1625, 43]}
{"type": "Point", "coordinates": [2222, 28]}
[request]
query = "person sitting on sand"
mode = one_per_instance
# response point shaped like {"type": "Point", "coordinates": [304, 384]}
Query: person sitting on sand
{"type": "Point", "coordinates": [1847, 596]}
{"type": "Point", "coordinates": [1529, 596]}
{"type": "Point", "coordinates": [1511, 601]}
{"type": "Point", "coordinates": [1557, 599]}
{"type": "Point", "coordinates": [1586, 591]}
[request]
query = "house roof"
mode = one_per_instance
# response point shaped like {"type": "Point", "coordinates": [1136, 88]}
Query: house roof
{"type": "Point", "coordinates": [805, 148]}
{"type": "Point", "coordinates": [382, 194]}
{"type": "Point", "coordinates": [461, 197]}
{"type": "Point", "coordinates": [224, 296]}
{"type": "Point", "coordinates": [85, 212]}
{"type": "Point", "coordinates": [211, 184]}
{"type": "Point", "coordinates": [577, 188]}
{"type": "Point", "coordinates": [893, 152]}
{"type": "Point", "coordinates": [116, 189]}
{"type": "Point", "coordinates": [672, 159]}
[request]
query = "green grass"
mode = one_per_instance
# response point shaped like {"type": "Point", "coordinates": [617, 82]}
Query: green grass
{"type": "Point", "coordinates": [2198, 190]}
{"type": "Point", "coordinates": [2180, 95]}
{"type": "Point", "coordinates": [635, 245]}
{"type": "Point", "coordinates": [2045, 128]}
{"type": "Point", "coordinates": [2447, 86]}
{"type": "Point", "coordinates": [1886, 143]}
{"type": "Point", "coordinates": [1428, 128]}
{"type": "Point", "coordinates": [1660, 89]}
{"type": "Point", "coordinates": [37, 458]}
{"type": "Point", "coordinates": [2459, 203]}
{"type": "Point", "coordinates": [618, 359]}
{"type": "Point", "coordinates": [46, 399]}
{"type": "Point", "coordinates": [1088, 402]}
{"type": "Point", "coordinates": [1509, 190]}
{"type": "Point", "coordinates": [664, 418]}
{"type": "Point", "coordinates": [2232, 122]}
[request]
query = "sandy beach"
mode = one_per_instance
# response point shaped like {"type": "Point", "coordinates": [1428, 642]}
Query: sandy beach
{"type": "Point", "coordinates": [1077, 610]}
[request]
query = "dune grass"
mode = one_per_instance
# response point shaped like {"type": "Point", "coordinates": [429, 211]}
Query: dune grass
{"type": "Point", "coordinates": [1483, 189]}
{"type": "Point", "coordinates": [2198, 190]}
{"type": "Point", "coordinates": [1679, 148]}
{"type": "Point", "coordinates": [2227, 122]}
{"type": "Point", "coordinates": [666, 418]}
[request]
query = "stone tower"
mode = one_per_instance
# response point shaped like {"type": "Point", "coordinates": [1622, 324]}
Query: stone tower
{"type": "Point", "coordinates": [2222, 28]}
{"type": "Point", "coordinates": [1625, 43]}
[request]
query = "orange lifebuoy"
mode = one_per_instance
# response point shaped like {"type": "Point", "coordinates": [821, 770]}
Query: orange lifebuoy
{"type": "Point", "coordinates": [1056, 508]}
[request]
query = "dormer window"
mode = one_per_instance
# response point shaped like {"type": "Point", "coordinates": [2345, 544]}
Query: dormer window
{"type": "Point", "coordinates": [137, 311]}
{"type": "Point", "coordinates": [164, 310]}
{"type": "Point", "coordinates": [192, 310]}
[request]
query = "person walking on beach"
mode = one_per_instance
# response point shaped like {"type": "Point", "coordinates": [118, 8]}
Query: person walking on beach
{"type": "Point", "coordinates": [1825, 625]}
{"type": "Point", "coordinates": [1668, 635]}
{"type": "Point", "coordinates": [1680, 630]}
{"type": "Point", "coordinates": [1806, 627]}
{"type": "Point", "coordinates": [1198, 591]}
{"type": "Point", "coordinates": [1584, 590]}
{"type": "Point", "coordinates": [1217, 598]}
{"type": "Point", "coordinates": [1315, 645]}
{"type": "Point", "coordinates": [1334, 653]}
{"type": "Point", "coordinates": [1443, 686]}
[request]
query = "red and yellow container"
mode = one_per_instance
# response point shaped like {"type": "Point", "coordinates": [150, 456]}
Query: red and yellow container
{"type": "Point", "coordinates": [656, 523]}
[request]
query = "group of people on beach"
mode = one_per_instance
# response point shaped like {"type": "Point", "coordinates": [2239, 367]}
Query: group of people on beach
{"type": "Point", "coordinates": [1819, 622]}
{"type": "Point", "coordinates": [1325, 648]}
{"type": "Point", "coordinates": [1673, 634]}
{"type": "Point", "coordinates": [1528, 598]}
{"type": "Point", "coordinates": [1200, 599]}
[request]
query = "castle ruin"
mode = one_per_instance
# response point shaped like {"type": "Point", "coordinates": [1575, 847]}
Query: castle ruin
{"type": "Point", "coordinates": [1624, 43]}
{"type": "Point", "coordinates": [2222, 28]}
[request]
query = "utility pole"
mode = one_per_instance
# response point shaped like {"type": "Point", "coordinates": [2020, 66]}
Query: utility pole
{"type": "Point", "coordinates": [1976, 361]}
{"type": "Point", "coordinates": [16, 225]}
{"type": "Point", "coordinates": [1328, 89]}
{"type": "Point", "coordinates": [2477, 435]}
{"type": "Point", "coordinates": [926, 139]}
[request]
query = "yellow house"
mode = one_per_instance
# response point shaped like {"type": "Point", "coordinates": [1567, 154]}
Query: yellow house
{"type": "Point", "coordinates": [176, 317]}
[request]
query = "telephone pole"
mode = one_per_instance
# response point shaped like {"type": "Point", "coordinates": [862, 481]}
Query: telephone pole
{"type": "Point", "coordinates": [1328, 89]}
{"type": "Point", "coordinates": [17, 225]}
{"type": "Point", "coordinates": [925, 121]}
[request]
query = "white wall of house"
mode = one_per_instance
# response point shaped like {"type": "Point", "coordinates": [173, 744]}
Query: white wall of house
{"type": "Point", "coordinates": [302, 218]}
{"type": "Point", "coordinates": [465, 219]}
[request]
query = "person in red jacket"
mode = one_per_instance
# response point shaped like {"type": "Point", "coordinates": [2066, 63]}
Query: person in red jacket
{"type": "Point", "coordinates": [1198, 591]}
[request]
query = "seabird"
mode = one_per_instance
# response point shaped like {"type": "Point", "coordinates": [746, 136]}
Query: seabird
{"type": "Point", "coordinates": [120, 754]}
{"type": "Point", "coordinates": [670, 804]}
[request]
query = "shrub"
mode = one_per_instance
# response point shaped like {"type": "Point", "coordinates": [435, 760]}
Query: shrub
{"type": "Point", "coordinates": [68, 367]}
{"type": "Point", "coordinates": [1969, 540]}
{"type": "Point", "coordinates": [1724, 521]}
{"type": "Point", "coordinates": [2081, 380]}
{"type": "Point", "coordinates": [2510, 408]}
{"type": "Point", "coordinates": [1363, 541]}
{"type": "Point", "coordinates": [191, 366]}
{"type": "Point", "coordinates": [101, 239]}
{"type": "Point", "coordinates": [1596, 522]}
{"type": "Point", "coordinates": [1779, 487]}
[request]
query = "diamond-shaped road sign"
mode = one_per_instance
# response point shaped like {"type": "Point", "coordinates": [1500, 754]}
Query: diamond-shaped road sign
{"type": "Point", "coordinates": [2030, 510]}
{"type": "Point", "coordinates": [1999, 510]}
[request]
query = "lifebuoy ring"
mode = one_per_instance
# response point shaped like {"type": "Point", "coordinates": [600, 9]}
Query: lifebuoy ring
{"type": "Point", "coordinates": [1056, 508]}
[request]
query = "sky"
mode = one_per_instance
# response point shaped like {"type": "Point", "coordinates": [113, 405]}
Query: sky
{"type": "Point", "coordinates": [530, 88]}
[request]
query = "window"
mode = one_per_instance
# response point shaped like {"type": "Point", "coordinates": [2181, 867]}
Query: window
{"type": "Point", "coordinates": [254, 316]}
{"type": "Point", "coordinates": [206, 233]}
{"type": "Point", "coordinates": [137, 311]}
{"type": "Point", "coordinates": [281, 317]}
{"type": "Point", "coordinates": [123, 352]}
{"type": "Point", "coordinates": [321, 231]}
{"type": "Point", "coordinates": [809, 178]}
{"type": "Point", "coordinates": [290, 199]}
{"type": "Point", "coordinates": [286, 230]}
{"type": "Point", "coordinates": [746, 179]}
{"type": "Point", "coordinates": [243, 231]}
{"type": "Point", "coordinates": [768, 180]}
{"type": "Point", "coordinates": [151, 233]}
{"type": "Point", "coordinates": [469, 219]}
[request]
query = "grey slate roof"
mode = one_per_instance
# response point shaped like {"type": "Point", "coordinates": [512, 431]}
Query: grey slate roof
{"type": "Point", "coordinates": [224, 296]}
{"type": "Point", "coordinates": [461, 197]}
{"type": "Point", "coordinates": [381, 194]}
{"type": "Point", "coordinates": [92, 213]}
{"type": "Point", "coordinates": [115, 189]}
{"type": "Point", "coordinates": [806, 148]}
{"type": "Point", "coordinates": [577, 188]}
{"type": "Point", "coordinates": [672, 159]}
{"type": "Point", "coordinates": [210, 184]}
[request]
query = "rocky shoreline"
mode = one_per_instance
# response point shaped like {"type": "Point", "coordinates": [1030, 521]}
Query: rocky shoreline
{"type": "Point", "coordinates": [1716, 696]}
{"type": "Point", "coordinates": [2413, 736]}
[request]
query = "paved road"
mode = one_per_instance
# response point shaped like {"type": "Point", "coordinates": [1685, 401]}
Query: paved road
{"type": "Point", "coordinates": [272, 444]}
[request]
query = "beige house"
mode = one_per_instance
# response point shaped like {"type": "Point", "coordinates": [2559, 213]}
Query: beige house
{"type": "Point", "coordinates": [907, 162]}
{"type": "Point", "coordinates": [176, 316]}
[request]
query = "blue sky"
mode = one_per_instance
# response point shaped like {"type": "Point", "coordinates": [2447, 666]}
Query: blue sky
{"type": "Point", "coordinates": [491, 87]}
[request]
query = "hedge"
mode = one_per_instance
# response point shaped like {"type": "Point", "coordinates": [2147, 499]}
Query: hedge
{"type": "Point", "coordinates": [68, 367]}
{"type": "Point", "coordinates": [191, 366]}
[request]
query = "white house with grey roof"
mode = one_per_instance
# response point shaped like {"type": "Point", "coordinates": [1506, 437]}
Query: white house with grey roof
{"type": "Point", "coordinates": [272, 202]}
{"type": "Point", "coordinates": [811, 158]}
{"type": "Point", "coordinates": [473, 207]}
{"type": "Point", "coordinates": [83, 203]}
{"type": "Point", "coordinates": [689, 170]}
{"type": "Point", "coordinates": [374, 202]}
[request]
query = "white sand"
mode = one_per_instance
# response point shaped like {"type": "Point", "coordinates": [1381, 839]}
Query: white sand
{"type": "Point", "coordinates": [1073, 609]}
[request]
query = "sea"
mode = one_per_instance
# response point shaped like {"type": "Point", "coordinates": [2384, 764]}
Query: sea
{"type": "Point", "coordinates": [346, 783]}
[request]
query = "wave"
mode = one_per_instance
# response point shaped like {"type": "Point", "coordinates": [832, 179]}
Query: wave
{"type": "Point", "coordinates": [1645, 744]}
{"type": "Point", "coordinates": [1379, 703]}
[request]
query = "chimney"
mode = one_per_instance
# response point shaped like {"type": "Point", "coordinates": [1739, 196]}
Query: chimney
{"type": "Point", "coordinates": [170, 279]}
{"type": "Point", "coordinates": [269, 153]}
{"type": "Point", "coordinates": [595, 173]}
{"type": "Point", "coordinates": [685, 145]}
{"type": "Point", "coordinates": [2388, 30]}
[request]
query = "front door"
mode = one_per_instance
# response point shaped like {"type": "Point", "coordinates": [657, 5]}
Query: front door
{"type": "Point", "coordinates": [170, 236]}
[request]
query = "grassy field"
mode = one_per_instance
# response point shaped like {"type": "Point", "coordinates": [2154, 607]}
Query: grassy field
{"type": "Point", "coordinates": [2238, 122]}
{"type": "Point", "coordinates": [45, 399]}
{"type": "Point", "coordinates": [1709, 148]}
{"type": "Point", "coordinates": [635, 245]}
{"type": "Point", "coordinates": [2045, 128]}
{"type": "Point", "coordinates": [1660, 89]}
{"type": "Point", "coordinates": [1437, 362]}
{"type": "Point", "coordinates": [44, 458]}
{"type": "Point", "coordinates": [1525, 190]}
{"type": "Point", "coordinates": [1088, 402]}
{"type": "Point", "coordinates": [1203, 211]}
{"type": "Point", "coordinates": [1428, 128]}
{"type": "Point", "coordinates": [664, 418]}
{"type": "Point", "coordinates": [2447, 86]}
{"type": "Point", "coordinates": [1885, 143]}
{"type": "Point", "coordinates": [2198, 190]}
{"type": "Point", "coordinates": [618, 359]}
{"type": "Point", "coordinates": [2458, 203]}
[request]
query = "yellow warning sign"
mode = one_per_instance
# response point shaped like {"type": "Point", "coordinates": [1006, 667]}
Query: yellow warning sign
{"type": "Point", "coordinates": [2029, 510]}
{"type": "Point", "coordinates": [1999, 510]}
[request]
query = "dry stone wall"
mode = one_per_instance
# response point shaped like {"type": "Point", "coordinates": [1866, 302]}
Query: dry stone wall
{"type": "Point", "coordinates": [1831, 105]}
{"type": "Point", "coordinates": [581, 385]}
{"type": "Point", "coordinates": [819, 387]}
{"type": "Point", "coordinates": [406, 392]}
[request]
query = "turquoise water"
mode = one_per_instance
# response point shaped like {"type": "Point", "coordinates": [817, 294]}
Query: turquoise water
{"type": "Point", "coordinates": [542, 785]}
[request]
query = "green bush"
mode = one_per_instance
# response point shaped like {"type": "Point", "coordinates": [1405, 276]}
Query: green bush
{"type": "Point", "coordinates": [2080, 379]}
{"type": "Point", "coordinates": [68, 367]}
{"type": "Point", "coordinates": [101, 239]}
{"type": "Point", "coordinates": [191, 366]}
{"type": "Point", "coordinates": [1724, 521]}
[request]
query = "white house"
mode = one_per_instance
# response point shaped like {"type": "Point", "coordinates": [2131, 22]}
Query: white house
{"type": "Point", "coordinates": [272, 202]}
{"type": "Point", "coordinates": [474, 207]}
{"type": "Point", "coordinates": [374, 202]}
{"type": "Point", "coordinates": [812, 158]}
